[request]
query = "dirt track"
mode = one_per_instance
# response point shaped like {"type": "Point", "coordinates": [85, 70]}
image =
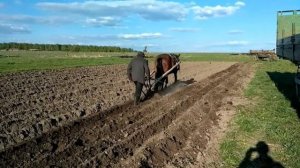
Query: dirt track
{"type": "Point", "coordinates": [84, 117]}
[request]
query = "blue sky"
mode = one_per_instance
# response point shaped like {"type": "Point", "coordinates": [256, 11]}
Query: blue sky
{"type": "Point", "coordinates": [162, 25]}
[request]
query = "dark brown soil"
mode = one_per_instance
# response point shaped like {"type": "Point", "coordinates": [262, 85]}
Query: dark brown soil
{"type": "Point", "coordinates": [85, 118]}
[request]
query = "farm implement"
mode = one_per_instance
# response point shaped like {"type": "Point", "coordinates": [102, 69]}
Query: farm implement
{"type": "Point", "coordinates": [151, 82]}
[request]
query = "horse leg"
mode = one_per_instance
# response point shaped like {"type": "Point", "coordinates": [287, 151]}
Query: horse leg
{"type": "Point", "coordinates": [166, 82]}
{"type": "Point", "coordinates": [175, 76]}
{"type": "Point", "coordinates": [159, 85]}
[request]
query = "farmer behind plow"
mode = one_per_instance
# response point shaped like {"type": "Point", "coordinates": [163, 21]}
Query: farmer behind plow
{"type": "Point", "coordinates": [137, 71]}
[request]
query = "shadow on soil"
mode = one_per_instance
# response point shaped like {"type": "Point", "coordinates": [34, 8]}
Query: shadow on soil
{"type": "Point", "coordinates": [145, 164]}
{"type": "Point", "coordinates": [176, 86]}
{"type": "Point", "coordinates": [262, 158]}
{"type": "Point", "coordinates": [286, 85]}
{"type": "Point", "coordinates": [170, 89]}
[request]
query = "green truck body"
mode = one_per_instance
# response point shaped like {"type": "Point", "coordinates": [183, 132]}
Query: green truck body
{"type": "Point", "coordinates": [288, 35]}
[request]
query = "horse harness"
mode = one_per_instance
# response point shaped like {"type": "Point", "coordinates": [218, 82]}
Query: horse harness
{"type": "Point", "coordinates": [174, 60]}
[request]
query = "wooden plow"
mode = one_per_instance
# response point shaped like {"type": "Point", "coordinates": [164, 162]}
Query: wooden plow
{"type": "Point", "coordinates": [151, 82]}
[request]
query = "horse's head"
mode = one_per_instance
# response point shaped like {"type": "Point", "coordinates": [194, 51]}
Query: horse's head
{"type": "Point", "coordinates": [176, 60]}
{"type": "Point", "coordinates": [176, 56]}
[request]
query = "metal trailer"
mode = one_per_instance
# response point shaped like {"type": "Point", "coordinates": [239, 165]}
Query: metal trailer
{"type": "Point", "coordinates": [288, 40]}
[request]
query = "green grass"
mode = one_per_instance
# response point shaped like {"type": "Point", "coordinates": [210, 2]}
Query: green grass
{"type": "Point", "coordinates": [14, 61]}
{"type": "Point", "coordinates": [62, 54]}
{"type": "Point", "coordinates": [13, 64]}
{"type": "Point", "coordinates": [271, 117]}
{"type": "Point", "coordinates": [215, 57]}
{"type": "Point", "coordinates": [24, 61]}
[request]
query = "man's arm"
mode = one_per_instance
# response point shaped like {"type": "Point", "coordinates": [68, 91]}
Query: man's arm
{"type": "Point", "coordinates": [129, 69]}
{"type": "Point", "coordinates": [146, 67]}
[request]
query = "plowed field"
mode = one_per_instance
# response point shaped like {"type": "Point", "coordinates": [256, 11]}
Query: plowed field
{"type": "Point", "coordinates": [84, 117]}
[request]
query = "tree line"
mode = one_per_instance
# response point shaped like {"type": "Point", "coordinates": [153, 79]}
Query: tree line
{"type": "Point", "coordinates": [62, 47]}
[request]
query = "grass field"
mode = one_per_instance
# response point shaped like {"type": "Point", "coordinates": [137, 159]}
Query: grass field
{"type": "Point", "coordinates": [215, 57]}
{"type": "Point", "coordinates": [271, 117]}
{"type": "Point", "coordinates": [13, 61]}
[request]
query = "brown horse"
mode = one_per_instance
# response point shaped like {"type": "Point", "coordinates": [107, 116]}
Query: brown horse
{"type": "Point", "coordinates": [163, 63]}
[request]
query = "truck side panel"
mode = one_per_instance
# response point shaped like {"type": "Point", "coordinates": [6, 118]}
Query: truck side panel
{"type": "Point", "coordinates": [288, 35]}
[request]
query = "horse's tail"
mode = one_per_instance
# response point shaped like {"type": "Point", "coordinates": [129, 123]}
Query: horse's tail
{"type": "Point", "coordinates": [159, 68]}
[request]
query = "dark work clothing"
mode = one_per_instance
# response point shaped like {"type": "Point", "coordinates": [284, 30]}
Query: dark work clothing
{"type": "Point", "coordinates": [137, 69]}
{"type": "Point", "coordinates": [138, 91]}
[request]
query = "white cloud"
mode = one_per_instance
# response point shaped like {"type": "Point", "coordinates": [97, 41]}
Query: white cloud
{"type": "Point", "coordinates": [91, 38]}
{"type": "Point", "coordinates": [12, 29]}
{"type": "Point", "coordinates": [105, 38]}
{"type": "Point", "coordinates": [237, 43]}
{"type": "Point", "coordinates": [148, 9]}
{"type": "Point", "coordinates": [236, 31]}
{"type": "Point", "coordinates": [240, 3]}
{"type": "Point", "coordinates": [184, 29]}
{"type": "Point", "coordinates": [113, 13]}
{"type": "Point", "coordinates": [216, 11]}
{"type": "Point", "coordinates": [26, 19]}
{"type": "Point", "coordinates": [103, 21]}
{"type": "Point", "coordinates": [140, 36]}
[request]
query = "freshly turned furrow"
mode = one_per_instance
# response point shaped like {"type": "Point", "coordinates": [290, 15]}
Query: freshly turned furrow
{"type": "Point", "coordinates": [161, 149]}
{"type": "Point", "coordinates": [56, 95]}
{"type": "Point", "coordinates": [106, 138]}
{"type": "Point", "coordinates": [198, 139]}
{"type": "Point", "coordinates": [108, 132]}
{"type": "Point", "coordinates": [155, 127]}
{"type": "Point", "coordinates": [119, 134]}
{"type": "Point", "coordinates": [196, 133]}
{"type": "Point", "coordinates": [172, 137]}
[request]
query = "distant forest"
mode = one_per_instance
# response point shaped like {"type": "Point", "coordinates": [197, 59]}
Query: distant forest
{"type": "Point", "coordinates": [62, 47]}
